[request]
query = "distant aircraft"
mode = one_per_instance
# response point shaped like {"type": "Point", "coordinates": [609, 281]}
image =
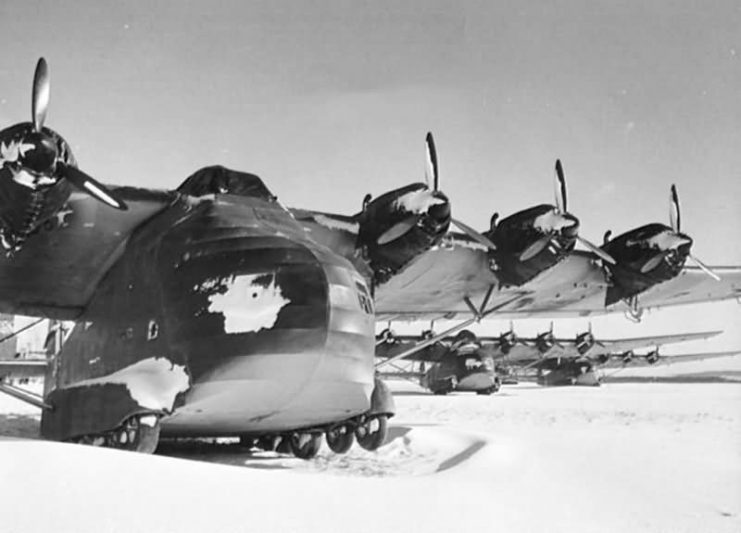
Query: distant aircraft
{"type": "Point", "coordinates": [212, 310]}
{"type": "Point", "coordinates": [457, 364]}
{"type": "Point", "coordinates": [555, 361]}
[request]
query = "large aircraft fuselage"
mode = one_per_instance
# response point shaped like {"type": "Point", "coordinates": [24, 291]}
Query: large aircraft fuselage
{"type": "Point", "coordinates": [226, 319]}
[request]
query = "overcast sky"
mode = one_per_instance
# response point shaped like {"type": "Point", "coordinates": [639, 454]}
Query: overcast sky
{"type": "Point", "coordinates": [330, 100]}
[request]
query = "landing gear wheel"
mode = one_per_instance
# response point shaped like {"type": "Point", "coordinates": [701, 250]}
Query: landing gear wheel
{"type": "Point", "coordinates": [140, 433]}
{"type": "Point", "coordinates": [485, 392]}
{"type": "Point", "coordinates": [340, 438]}
{"type": "Point", "coordinates": [372, 433]}
{"type": "Point", "coordinates": [305, 445]}
{"type": "Point", "coordinates": [267, 443]}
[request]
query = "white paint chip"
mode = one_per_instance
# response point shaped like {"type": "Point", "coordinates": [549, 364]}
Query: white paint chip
{"type": "Point", "coordinates": [248, 304]}
{"type": "Point", "coordinates": [153, 383]}
{"type": "Point", "coordinates": [418, 202]}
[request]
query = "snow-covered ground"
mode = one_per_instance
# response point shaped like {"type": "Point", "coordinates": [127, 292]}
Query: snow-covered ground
{"type": "Point", "coordinates": [621, 457]}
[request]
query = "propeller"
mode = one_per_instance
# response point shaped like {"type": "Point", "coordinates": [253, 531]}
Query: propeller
{"type": "Point", "coordinates": [432, 174]}
{"type": "Point", "coordinates": [561, 201]}
{"type": "Point", "coordinates": [675, 221]}
{"type": "Point", "coordinates": [398, 229]}
{"type": "Point", "coordinates": [561, 204]}
{"type": "Point", "coordinates": [44, 157]}
{"type": "Point", "coordinates": [40, 95]}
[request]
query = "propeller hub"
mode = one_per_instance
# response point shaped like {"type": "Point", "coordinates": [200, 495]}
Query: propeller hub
{"type": "Point", "coordinates": [42, 158]}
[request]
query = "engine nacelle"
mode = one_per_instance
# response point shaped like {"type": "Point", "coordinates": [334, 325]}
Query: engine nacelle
{"type": "Point", "coordinates": [507, 341]}
{"type": "Point", "coordinates": [545, 342]}
{"type": "Point", "coordinates": [653, 357]}
{"type": "Point", "coordinates": [645, 257]}
{"type": "Point", "coordinates": [531, 241]}
{"type": "Point", "coordinates": [401, 224]}
{"type": "Point", "coordinates": [584, 342]}
{"type": "Point", "coordinates": [28, 199]}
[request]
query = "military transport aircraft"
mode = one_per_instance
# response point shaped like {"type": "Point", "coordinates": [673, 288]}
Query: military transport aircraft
{"type": "Point", "coordinates": [213, 310]}
{"type": "Point", "coordinates": [507, 357]}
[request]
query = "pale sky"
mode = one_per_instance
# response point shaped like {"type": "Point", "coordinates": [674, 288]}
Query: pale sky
{"type": "Point", "coordinates": [329, 100]}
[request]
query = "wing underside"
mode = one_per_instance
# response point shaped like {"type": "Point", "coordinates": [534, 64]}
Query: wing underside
{"type": "Point", "coordinates": [436, 283]}
{"type": "Point", "coordinates": [57, 270]}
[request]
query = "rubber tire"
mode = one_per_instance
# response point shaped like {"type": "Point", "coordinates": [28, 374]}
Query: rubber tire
{"type": "Point", "coordinates": [145, 440]}
{"type": "Point", "coordinates": [372, 441]}
{"type": "Point", "coordinates": [309, 449]}
{"type": "Point", "coordinates": [343, 441]}
{"type": "Point", "coordinates": [149, 438]}
{"type": "Point", "coordinates": [267, 443]}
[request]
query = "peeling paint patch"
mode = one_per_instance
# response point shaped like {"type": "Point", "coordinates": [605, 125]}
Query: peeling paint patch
{"type": "Point", "coordinates": [473, 245]}
{"type": "Point", "coordinates": [153, 383]}
{"type": "Point", "coordinates": [417, 202]}
{"type": "Point", "coordinates": [249, 302]}
{"type": "Point", "coordinates": [552, 221]}
{"type": "Point", "coordinates": [332, 223]}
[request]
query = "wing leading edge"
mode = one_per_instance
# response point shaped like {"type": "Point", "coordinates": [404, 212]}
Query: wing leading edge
{"type": "Point", "coordinates": [434, 285]}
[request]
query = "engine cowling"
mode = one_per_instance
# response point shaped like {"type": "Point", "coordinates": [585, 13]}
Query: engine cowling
{"type": "Point", "coordinates": [545, 342]}
{"type": "Point", "coordinates": [653, 357]}
{"type": "Point", "coordinates": [645, 257]}
{"type": "Point", "coordinates": [401, 224]}
{"type": "Point", "coordinates": [531, 241]}
{"type": "Point", "coordinates": [507, 341]}
{"type": "Point", "coordinates": [584, 342]}
{"type": "Point", "coordinates": [27, 198]}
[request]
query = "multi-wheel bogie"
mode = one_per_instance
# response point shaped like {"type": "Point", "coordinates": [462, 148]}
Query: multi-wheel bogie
{"type": "Point", "coordinates": [141, 433]}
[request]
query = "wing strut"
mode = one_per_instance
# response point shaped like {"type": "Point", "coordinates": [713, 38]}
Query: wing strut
{"type": "Point", "coordinates": [478, 314]}
{"type": "Point", "coordinates": [24, 395]}
{"type": "Point", "coordinates": [24, 328]}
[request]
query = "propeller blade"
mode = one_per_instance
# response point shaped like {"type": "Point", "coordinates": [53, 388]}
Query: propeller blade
{"type": "Point", "coordinates": [398, 229]}
{"type": "Point", "coordinates": [705, 268]}
{"type": "Point", "coordinates": [596, 250]}
{"type": "Point", "coordinates": [652, 263]}
{"type": "Point", "coordinates": [674, 213]}
{"type": "Point", "coordinates": [535, 248]}
{"type": "Point", "coordinates": [431, 170]}
{"type": "Point", "coordinates": [468, 230]}
{"type": "Point", "coordinates": [560, 188]}
{"type": "Point", "coordinates": [40, 97]}
{"type": "Point", "coordinates": [95, 189]}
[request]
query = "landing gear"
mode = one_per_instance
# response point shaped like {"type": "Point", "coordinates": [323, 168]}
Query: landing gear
{"type": "Point", "coordinates": [372, 432]}
{"type": "Point", "coordinates": [340, 438]}
{"type": "Point", "coordinates": [268, 443]}
{"type": "Point", "coordinates": [305, 445]}
{"type": "Point", "coordinates": [138, 433]}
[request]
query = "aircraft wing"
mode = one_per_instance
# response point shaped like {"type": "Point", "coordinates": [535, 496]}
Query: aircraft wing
{"type": "Point", "coordinates": [526, 352]}
{"type": "Point", "coordinates": [430, 354]}
{"type": "Point", "coordinates": [56, 271]}
{"type": "Point", "coordinates": [643, 360]}
{"type": "Point", "coordinates": [435, 284]}
{"type": "Point", "coordinates": [625, 345]}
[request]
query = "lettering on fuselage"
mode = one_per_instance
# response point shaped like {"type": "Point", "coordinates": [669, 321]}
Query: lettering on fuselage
{"type": "Point", "coordinates": [248, 302]}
